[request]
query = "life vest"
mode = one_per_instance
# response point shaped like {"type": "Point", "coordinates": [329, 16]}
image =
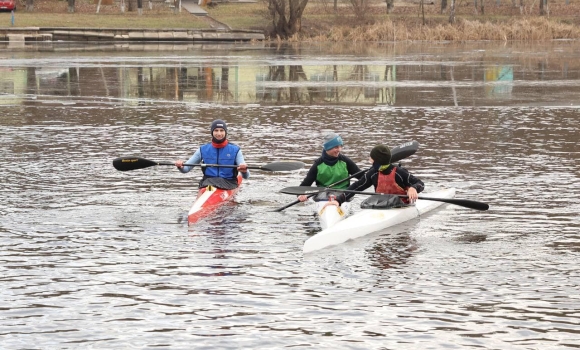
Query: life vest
{"type": "Point", "coordinates": [327, 175]}
{"type": "Point", "coordinates": [223, 156]}
{"type": "Point", "coordinates": [388, 184]}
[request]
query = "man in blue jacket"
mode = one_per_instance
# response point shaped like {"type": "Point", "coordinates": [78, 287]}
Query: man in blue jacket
{"type": "Point", "coordinates": [218, 151]}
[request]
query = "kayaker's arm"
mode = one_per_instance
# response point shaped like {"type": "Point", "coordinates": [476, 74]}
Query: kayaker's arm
{"type": "Point", "coordinates": [195, 159]}
{"type": "Point", "coordinates": [240, 160]}
{"type": "Point", "coordinates": [311, 175]}
{"type": "Point", "coordinates": [310, 178]}
{"type": "Point", "coordinates": [368, 180]}
{"type": "Point", "coordinates": [405, 179]}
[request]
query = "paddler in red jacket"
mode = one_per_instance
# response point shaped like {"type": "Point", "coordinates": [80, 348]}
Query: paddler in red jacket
{"type": "Point", "coordinates": [386, 178]}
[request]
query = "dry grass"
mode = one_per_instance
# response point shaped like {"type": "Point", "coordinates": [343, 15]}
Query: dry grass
{"type": "Point", "coordinates": [241, 16]}
{"type": "Point", "coordinates": [378, 26]}
{"type": "Point", "coordinates": [54, 13]}
{"type": "Point", "coordinates": [106, 20]}
{"type": "Point", "coordinates": [464, 30]}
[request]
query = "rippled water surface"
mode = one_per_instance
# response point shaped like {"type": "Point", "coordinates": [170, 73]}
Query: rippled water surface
{"type": "Point", "coordinates": [95, 258]}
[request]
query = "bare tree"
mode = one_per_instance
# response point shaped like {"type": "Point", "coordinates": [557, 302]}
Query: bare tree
{"type": "Point", "coordinates": [71, 6]}
{"type": "Point", "coordinates": [390, 5]}
{"type": "Point", "coordinates": [543, 7]}
{"type": "Point", "coordinates": [286, 16]}
{"type": "Point", "coordinates": [444, 6]}
{"type": "Point", "coordinates": [296, 73]}
{"type": "Point", "coordinates": [29, 5]}
{"type": "Point", "coordinates": [452, 12]}
{"type": "Point", "coordinates": [360, 8]}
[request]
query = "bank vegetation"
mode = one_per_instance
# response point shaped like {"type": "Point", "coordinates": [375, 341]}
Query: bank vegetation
{"type": "Point", "coordinates": [325, 20]}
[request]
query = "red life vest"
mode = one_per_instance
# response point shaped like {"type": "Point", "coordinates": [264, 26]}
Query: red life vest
{"type": "Point", "coordinates": [387, 184]}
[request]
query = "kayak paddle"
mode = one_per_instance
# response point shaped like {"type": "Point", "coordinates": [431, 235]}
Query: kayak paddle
{"type": "Point", "coordinates": [397, 153]}
{"type": "Point", "coordinates": [133, 163]}
{"type": "Point", "coordinates": [299, 190]}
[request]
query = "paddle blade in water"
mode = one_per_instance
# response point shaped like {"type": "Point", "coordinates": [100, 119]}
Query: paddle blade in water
{"type": "Point", "coordinates": [132, 163]}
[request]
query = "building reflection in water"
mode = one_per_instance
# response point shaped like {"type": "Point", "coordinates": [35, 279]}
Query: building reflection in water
{"type": "Point", "coordinates": [295, 84]}
{"type": "Point", "coordinates": [499, 81]}
{"type": "Point", "coordinates": [408, 83]}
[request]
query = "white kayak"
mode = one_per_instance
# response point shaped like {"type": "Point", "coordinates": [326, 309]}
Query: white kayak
{"type": "Point", "coordinates": [371, 220]}
{"type": "Point", "coordinates": [330, 215]}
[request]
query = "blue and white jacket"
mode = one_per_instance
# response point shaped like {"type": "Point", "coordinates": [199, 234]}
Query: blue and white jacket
{"type": "Point", "coordinates": [231, 154]}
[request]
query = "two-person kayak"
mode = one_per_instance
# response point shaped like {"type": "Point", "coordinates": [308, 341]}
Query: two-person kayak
{"type": "Point", "coordinates": [377, 214]}
{"type": "Point", "coordinates": [371, 220]}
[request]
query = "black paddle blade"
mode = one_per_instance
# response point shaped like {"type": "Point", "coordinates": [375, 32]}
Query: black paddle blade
{"type": "Point", "coordinates": [403, 151]}
{"type": "Point", "coordinates": [132, 163]}
{"type": "Point", "coordinates": [282, 166]}
{"type": "Point", "coordinates": [298, 190]}
{"type": "Point", "coordinates": [460, 202]}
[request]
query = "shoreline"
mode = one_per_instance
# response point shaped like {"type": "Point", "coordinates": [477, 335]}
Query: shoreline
{"type": "Point", "coordinates": [51, 34]}
{"type": "Point", "coordinates": [246, 23]}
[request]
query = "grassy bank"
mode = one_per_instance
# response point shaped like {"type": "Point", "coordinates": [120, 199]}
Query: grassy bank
{"type": "Point", "coordinates": [23, 19]}
{"type": "Point", "coordinates": [322, 23]}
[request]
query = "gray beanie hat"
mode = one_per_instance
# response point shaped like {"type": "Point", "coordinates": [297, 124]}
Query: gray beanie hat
{"type": "Point", "coordinates": [218, 123]}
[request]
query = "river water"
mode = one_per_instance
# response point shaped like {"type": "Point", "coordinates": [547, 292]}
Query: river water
{"type": "Point", "coordinates": [96, 258]}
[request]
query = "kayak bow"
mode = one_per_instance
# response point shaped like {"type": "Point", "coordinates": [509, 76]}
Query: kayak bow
{"type": "Point", "coordinates": [208, 200]}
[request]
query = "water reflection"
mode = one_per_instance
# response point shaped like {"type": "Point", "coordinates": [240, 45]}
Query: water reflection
{"type": "Point", "coordinates": [499, 81]}
{"type": "Point", "coordinates": [392, 250]}
{"type": "Point", "coordinates": [106, 259]}
{"type": "Point", "coordinates": [463, 76]}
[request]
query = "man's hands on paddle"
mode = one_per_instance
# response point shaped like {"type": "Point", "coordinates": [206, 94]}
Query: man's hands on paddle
{"type": "Point", "coordinates": [179, 164]}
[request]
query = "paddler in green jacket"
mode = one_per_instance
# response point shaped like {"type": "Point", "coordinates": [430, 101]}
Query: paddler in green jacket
{"type": "Point", "coordinates": [331, 167]}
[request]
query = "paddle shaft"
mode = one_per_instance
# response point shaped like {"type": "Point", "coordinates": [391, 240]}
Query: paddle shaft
{"type": "Point", "coordinates": [217, 165]}
{"type": "Point", "coordinates": [460, 202]}
{"type": "Point", "coordinates": [210, 165]}
{"type": "Point", "coordinates": [397, 153]}
{"type": "Point", "coordinates": [333, 184]}
{"type": "Point", "coordinates": [133, 163]}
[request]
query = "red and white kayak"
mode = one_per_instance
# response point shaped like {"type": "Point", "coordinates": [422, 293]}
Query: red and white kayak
{"type": "Point", "coordinates": [208, 200]}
